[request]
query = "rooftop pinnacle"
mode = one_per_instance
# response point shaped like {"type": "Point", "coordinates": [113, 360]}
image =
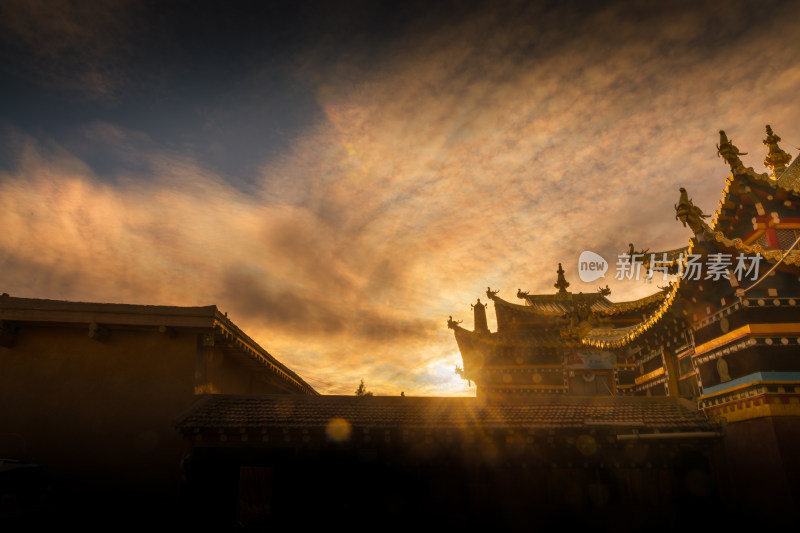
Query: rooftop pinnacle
{"type": "Point", "coordinates": [776, 159]}
{"type": "Point", "coordinates": [562, 282]}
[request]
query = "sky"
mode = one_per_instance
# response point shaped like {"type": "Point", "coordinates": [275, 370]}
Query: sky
{"type": "Point", "coordinates": [340, 177]}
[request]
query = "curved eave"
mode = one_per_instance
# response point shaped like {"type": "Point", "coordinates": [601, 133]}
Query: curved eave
{"type": "Point", "coordinates": [527, 309]}
{"type": "Point", "coordinates": [548, 305]}
{"type": "Point", "coordinates": [557, 305]}
{"type": "Point", "coordinates": [773, 255]}
{"type": "Point", "coordinates": [618, 337]}
{"type": "Point", "coordinates": [635, 305]}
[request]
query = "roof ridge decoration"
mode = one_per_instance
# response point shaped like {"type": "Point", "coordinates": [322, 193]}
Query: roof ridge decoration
{"type": "Point", "coordinates": [773, 255]}
{"type": "Point", "coordinates": [591, 299]}
{"type": "Point", "coordinates": [776, 159]}
{"type": "Point", "coordinates": [688, 213]}
{"type": "Point", "coordinates": [631, 305]}
{"type": "Point", "coordinates": [785, 178]}
{"type": "Point", "coordinates": [730, 153]}
{"type": "Point", "coordinates": [561, 283]}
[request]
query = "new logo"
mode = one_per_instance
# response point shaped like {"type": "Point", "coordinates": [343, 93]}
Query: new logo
{"type": "Point", "coordinates": [591, 266]}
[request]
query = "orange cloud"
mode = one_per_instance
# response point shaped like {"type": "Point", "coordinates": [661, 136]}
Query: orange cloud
{"type": "Point", "coordinates": [457, 165]}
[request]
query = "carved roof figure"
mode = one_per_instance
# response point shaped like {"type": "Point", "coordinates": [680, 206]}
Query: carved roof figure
{"type": "Point", "coordinates": [688, 213]}
{"type": "Point", "coordinates": [453, 323]}
{"type": "Point", "coordinates": [730, 153]}
{"type": "Point", "coordinates": [776, 159]}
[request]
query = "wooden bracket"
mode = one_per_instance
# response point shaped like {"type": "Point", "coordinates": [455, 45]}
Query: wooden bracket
{"type": "Point", "coordinates": [98, 332]}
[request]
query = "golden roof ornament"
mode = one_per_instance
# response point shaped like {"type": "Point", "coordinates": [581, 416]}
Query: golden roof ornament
{"type": "Point", "coordinates": [688, 213]}
{"type": "Point", "coordinates": [561, 284]}
{"type": "Point", "coordinates": [776, 159]}
{"type": "Point", "coordinates": [730, 153]}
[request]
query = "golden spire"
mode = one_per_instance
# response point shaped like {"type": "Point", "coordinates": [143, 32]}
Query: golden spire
{"type": "Point", "coordinates": [776, 159]}
{"type": "Point", "coordinates": [562, 282]}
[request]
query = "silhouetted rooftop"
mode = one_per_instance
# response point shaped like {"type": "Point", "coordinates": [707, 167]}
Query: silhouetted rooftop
{"type": "Point", "coordinates": [568, 412]}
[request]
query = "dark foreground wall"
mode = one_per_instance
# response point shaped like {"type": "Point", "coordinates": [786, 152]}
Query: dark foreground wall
{"type": "Point", "coordinates": [265, 489]}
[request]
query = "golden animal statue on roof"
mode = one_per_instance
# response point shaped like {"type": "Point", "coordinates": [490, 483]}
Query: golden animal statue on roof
{"type": "Point", "coordinates": [688, 213]}
{"type": "Point", "coordinates": [730, 153]}
{"type": "Point", "coordinates": [776, 159]}
{"type": "Point", "coordinates": [453, 323]}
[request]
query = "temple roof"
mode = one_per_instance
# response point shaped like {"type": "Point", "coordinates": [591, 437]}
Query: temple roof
{"type": "Point", "coordinates": [616, 337]}
{"type": "Point", "coordinates": [789, 179]}
{"type": "Point", "coordinates": [543, 338]}
{"type": "Point", "coordinates": [560, 304]}
{"type": "Point", "coordinates": [773, 255]}
{"type": "Point", "coordinates": [220, 412]}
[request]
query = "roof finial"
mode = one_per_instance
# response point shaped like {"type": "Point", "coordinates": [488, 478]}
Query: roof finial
{"type": "Point", "coordinates": [730, 153]}
{"type": "Point", "coordinates": [776, 159]}
{"type": "Point", "coordinates": [561, 284]}
{"type": "Point", "coordinates": [688, 213]}
{"type": "Point", "coordinates": [480, 324]}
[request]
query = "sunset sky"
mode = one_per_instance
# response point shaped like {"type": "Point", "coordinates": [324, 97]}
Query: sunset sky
{"type": "Point", "coordinates": [341, 176]}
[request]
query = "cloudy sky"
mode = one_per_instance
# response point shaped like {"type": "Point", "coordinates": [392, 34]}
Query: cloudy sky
{"type": "Point", "coordinates": [342, 176]}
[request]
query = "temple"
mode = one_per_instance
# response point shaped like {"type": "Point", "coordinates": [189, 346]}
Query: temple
{"type": "Point", "coordinates": [723, 332]}
{"type": "Point", "coordinates": [680, 409]}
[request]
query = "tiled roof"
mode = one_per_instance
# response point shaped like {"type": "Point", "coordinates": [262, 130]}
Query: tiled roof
{"type": "Point", "coordinates": [558, 304]}
{"type": "Point", "coordinates": [571, 412]}
{"type": "Point", "coordinates": [525, 337]}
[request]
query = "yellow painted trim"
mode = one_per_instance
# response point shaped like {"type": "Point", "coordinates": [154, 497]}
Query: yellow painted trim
{"type": "Point", "coordinates": [778, 328]}
{"type": "Point", "coordinates": [759, 411]}
{"type": "Point", "coordinates": [672, 383]}
{"type": "Point", "coordinates": [754, 384]}
{"type": "Point", "coordinates": [531, 387]}
{"type": "Point", "coordinates": [787, 225]}
{"type": "Point", "coordinates": [524, 367]}
{"type": "Point", "coordinates": [747, 329]}
{"type": "Point", "coordinates": [754, 237]}
{"type": "Point", "coordinates": [650, 375]}
{"type": "Point", "coordinates": [722, 340]}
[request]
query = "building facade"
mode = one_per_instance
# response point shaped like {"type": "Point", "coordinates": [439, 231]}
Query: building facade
{"type": "Point", "coordinates": [722, 333]}
{"type": "Point", "coordinates": [89, 391]}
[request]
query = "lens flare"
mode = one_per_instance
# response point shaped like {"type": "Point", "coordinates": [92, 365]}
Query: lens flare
{"type": "Point", "coordinates": [338, 430]}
